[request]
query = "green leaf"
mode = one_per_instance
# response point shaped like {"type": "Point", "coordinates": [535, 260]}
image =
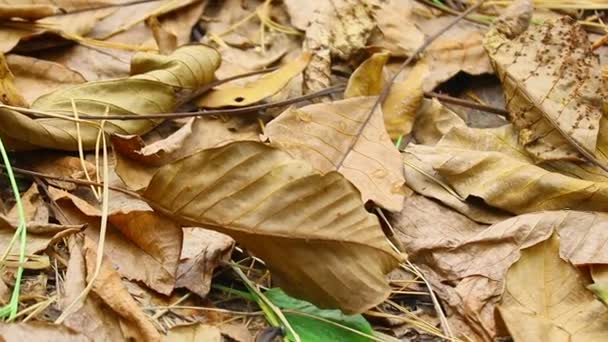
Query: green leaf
{"type": "Point", "coordinates": [314, 324]}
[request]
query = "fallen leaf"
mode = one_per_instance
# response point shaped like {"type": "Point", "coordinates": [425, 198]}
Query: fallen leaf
{"type": "Point", "coordinates": [110, 289]}
{"type": "Point", "coordinates": [367, 79]}
{"type": "Point", "coordinates": [39, 331]}
{"type": "Point", "coordinates": [144, 245]}
{"type": "Point", "coordinates": [91, 318]}
{"type": "Point", "coordinates": [9, 94]}
{"type": "Point", "coordinates": [202, 252]}
{"type": "Point", "coordinates": [255, 91]}
{"type": "Point", "coordinates": [433, 121]}
{"type": "Point", "coordinates": [27, 11]}
{"type": "Point", "coordinates": [344, 136]}
{"type": "Point", "coordinates": [551, 79]}
{"type": "Point", "coordinates": [161, 82]}
{"type": "Point", "coordinates": [236, 189]}
{"type": "Point", "coordinates": [546, 300]}
{"type": "Point", "coordinates": [35, 77]}
{"type": "Point", "coordinates": [194, 333]}
{"type": "Point", "coordinates": [397, 34]}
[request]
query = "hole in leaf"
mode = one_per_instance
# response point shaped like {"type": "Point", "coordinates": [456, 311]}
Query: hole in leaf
{"type": "Point", "coordinates": [239, 99]}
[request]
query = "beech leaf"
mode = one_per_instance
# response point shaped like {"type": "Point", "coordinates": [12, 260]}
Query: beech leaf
{"type": "Point", "coordinates": [311, 230]}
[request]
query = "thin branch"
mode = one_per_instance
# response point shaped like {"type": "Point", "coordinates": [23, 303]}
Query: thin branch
{"type": "Point", "coordinates": [466, 103]}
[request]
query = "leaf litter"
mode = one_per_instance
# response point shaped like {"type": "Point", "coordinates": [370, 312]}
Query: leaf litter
{"type": "Point", "coordinates": [273, 170]}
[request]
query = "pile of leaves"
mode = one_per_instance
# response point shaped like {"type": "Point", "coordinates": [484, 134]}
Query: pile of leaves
{"type": "Point", "coordinates": [344, 170]}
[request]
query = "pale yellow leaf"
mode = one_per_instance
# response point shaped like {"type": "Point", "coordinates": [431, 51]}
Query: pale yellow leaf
{"type": "Point", "coordinates": [257, 90]}
{"type": "Point", "coordinates": [9, 94]}
{"type": "Point", "coordinates": [546, 299]}
{"type": "Point", "coordinates": [367, 79]}
{"type": "Point", "coordinates": [344, 136]}
{"type": "Point", "coordinates": [311, 230]}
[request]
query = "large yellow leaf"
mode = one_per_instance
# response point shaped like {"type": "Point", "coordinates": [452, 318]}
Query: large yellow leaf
{"type": "Point", "coordinates": [367, 79]}
{"type": "Point", "coordinates": [546, 299]}
{"type": "Point", "coordinates": [551, 79]}
{"type": "Point", "coordinates": [160, 84]}
{"type": "Point", "coordinates": [344, 136]}
{"type": "Point", "coordinates": [312, 230]}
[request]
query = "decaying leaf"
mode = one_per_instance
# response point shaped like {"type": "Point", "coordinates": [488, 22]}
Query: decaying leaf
{"type": "Point", "coordinates": [311, 230]}
{"type": "Point", "coordinates": [202, 251]}
{"type": "Point", "coordinates": [397, 34]}
{"type": "Point", "coordinates": [160, 82]}
{"type": "Point", "coordinates": [8, 91]}
{"type": "Point", "coordinates": [546, 299]}
{"type": "Point", "coordinates": [257, 90]}
{"type": "Point", "coordinates": [551, 79]}
{"type": "Point", "coordinates": [144, 245]}
{"type": "Point", "coordinates": [344, 136]}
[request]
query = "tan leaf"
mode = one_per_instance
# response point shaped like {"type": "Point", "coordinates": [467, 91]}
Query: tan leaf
{"type": "Point", "coordinates": [9, 94]}
{"type": "Point", "coordinates": [39, 331]}
{"type": "Point", "coordinates": [367, 79]}
{"type": "Point", "coordinates": [551, 80]}
{"type": "Point", "coordinates": [403, 102]}
{"type": "Point", "coordinates": [433, 121]}
{"type": "Point", "coordinates": [166, 41]}
{"type": "Point", "coordinates": [202, 252]}
{"type": "Point", "coordinates": [194, 333]}
{"type": "Point", "coordinates": [59, 166]}
{"type": "Point", "coordinates": [161, 83]}
{"type": "Point", "coordinates": [144, 246]}
{"type": "Point", "coordinates": [467, 262]}
{"type": "Point", "coordinates": [344, 136]}
{"type": "Point", "coordinates": [92, 318]}
{"type": "Point", "coordinates": [35, 77]}
{"type": "Point", "coordinates": [254, 91]}
{"type": "Point", "coordinates": [546, 299]}
{"type": "Point", "coordinates": [110, 289]}
{"type": "Point", "coordinates": [28, 11]}
{"type": "Point", "coordinates": [311, 230]}
{"type": "Point", "coordinates": [398, 34]}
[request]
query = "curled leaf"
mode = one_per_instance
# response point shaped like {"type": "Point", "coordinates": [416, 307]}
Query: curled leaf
{"type": "Point", "coordinates": [367, 79]}
{"type": "Point", "coordinates": [159, 85]}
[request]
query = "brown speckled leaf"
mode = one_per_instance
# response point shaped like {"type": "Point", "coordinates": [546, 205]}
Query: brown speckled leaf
{"type": "Point", "coordinates": [551, 80]}
{"type": "Point", "coordinates": [344, 136]}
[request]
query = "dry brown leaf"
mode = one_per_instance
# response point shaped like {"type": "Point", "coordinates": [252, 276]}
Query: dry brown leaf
{"type": "Point", "coordinates": [27, 11]}
{"type": "Point", "coordinates": [337, 30]}
{"type": "Point", "coordinates": [137, 162]}
{"type": "Point", "coordinates": [166, 41]}
{"type": "Point", "coordinates": [433, 121]}
{"type": "Point", "coordinates": [161, 82]}
{"type": "Point", "coordinates": [91, 318]}
{"type": "Point", "coordinates": [397, 34]}
{"type": "Point", "coordinates": [110, 289]}
{"type": "Point", "coordinates": [551, 80]}
{"type": "Point", "coordinates": [467, 262]}
{"type": "Point", "coordinates": [144, 246]}
{"type": "Point", "coordinates": [367, 79]}
{"type": "Point", "coordinates": [344, 136]}
{"type": "Point", "coordinates": [39, 331]}
{"type": "Point", "coordinates": [36, 77]}
{"type": "Point", "coordinates": [9, 93]}
{"type": "Point", "coordinates": [254, 91]}
{"type": "Point", "coordinates": [194, 333]}
{"type": "Point", "coordinates": [311, 230]}
{"type": "Point", "coordinates": [202, 252]}
{"type": "Point", "coordinates": [546, 299]}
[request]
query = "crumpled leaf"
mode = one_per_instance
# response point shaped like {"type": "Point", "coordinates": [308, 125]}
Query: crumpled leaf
{"type": "Point", "coordinates": [160, 84]}
{"type": "Point", "coordinates": [254, 91]}
{"type": "Point", "coordinates": [202, 251]}
{"type": "Point", "coordinates": [344, 136]}
{"type": "Point", "coordinates": [546, 299]}
{"type": "Point", "coordinates": [311, 230]}
{"type": "Point", "coordinates": [507, 178]}
{"type": "Point", "coordinates": [398, 34]}
{"type": "Point", "coordinates": [144, 245]}
{"type": "Point", "coordinates": [551, 79]}
{"type": "Point", "coordinates": [337, 30]}
{"type": "Point", "coordinates": [466, 262]}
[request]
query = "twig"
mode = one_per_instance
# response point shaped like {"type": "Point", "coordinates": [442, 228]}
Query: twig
{"type": "Point", "coordinates": [466, 103]}
{"type": "Point", "coordinates": [234, 111]}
